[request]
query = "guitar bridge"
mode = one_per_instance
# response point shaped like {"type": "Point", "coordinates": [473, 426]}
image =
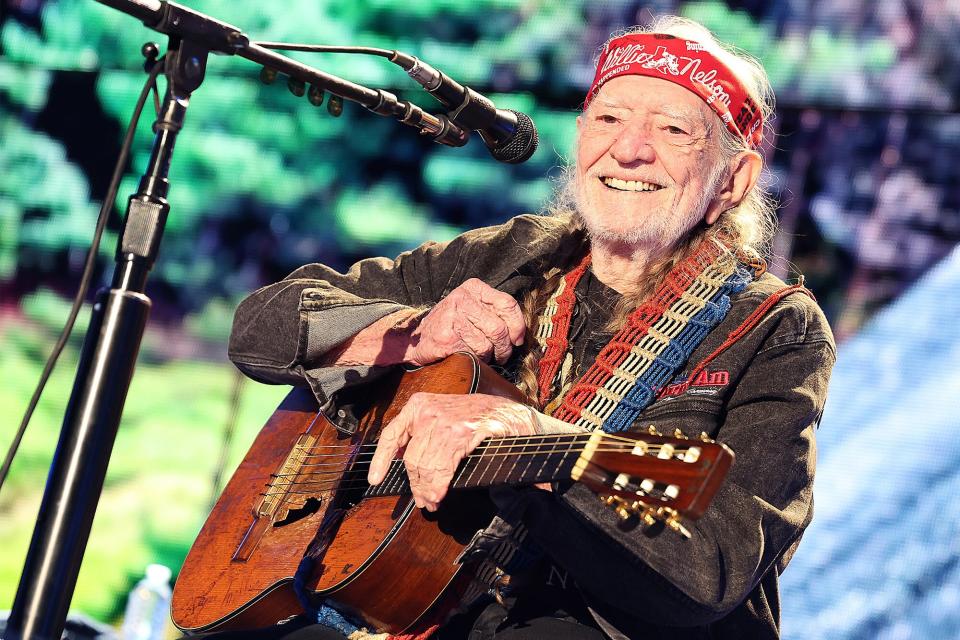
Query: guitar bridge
{"type": "Point", "coordinates": [281, 503]}
{"type": "Point", "coordinates": [278, 495]}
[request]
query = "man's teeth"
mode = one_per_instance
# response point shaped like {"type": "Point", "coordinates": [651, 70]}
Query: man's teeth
{"type": "Point", "coordinates": [630, 185]}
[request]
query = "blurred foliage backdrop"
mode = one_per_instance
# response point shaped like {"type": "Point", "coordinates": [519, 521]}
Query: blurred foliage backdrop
{"type": "Point", "coordinates": [864, 165]}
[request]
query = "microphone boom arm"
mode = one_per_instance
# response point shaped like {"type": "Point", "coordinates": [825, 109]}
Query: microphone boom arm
{"type": "Point", "coordinates": [176, 20]}
{"type": "Point", "coordinates": [440, 128]}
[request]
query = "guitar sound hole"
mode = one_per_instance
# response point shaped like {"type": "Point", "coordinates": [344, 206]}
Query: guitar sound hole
{"type": "Point", "coordinates": [310, 507]}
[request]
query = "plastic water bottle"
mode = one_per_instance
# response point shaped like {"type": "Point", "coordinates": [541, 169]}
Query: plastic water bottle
{"type": "Point", "coordinates": [148, 606]}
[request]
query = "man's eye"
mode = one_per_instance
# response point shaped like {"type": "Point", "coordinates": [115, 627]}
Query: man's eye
{"type": "Point", "coordinates": [606, 118]}
{"type": "Point", "coordinates": [676, 130]}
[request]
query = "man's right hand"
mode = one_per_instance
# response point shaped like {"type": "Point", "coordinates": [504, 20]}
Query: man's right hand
{"type": "Point", "coordinates": [475, 317]}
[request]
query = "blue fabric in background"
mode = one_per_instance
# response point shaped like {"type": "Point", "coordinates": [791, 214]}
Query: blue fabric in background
{"type": "Point", "coordinates": [880, 559]}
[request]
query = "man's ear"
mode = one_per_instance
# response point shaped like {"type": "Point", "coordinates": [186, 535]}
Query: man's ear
{"type": "Point", "coordinates": [745, 171]}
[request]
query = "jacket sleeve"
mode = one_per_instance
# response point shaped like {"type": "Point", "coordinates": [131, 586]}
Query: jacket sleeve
{"type": "Point", "coordinates": [755, 519]}
{"type": "Point", "coordinates": [281, 331]}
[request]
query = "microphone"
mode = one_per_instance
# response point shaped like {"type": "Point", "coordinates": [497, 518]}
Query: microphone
{"type": "Point", "coordinates": [509, 135]}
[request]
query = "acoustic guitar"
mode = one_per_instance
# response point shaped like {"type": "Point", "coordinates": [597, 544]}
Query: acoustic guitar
{"type": "Point", "coordinates": [302, 489]}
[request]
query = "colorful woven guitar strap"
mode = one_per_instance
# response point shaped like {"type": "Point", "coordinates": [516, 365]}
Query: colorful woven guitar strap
{"type": "Point", "coordinates": [656, 341]}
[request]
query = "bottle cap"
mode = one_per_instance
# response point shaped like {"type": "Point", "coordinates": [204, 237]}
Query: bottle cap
{"type": "Point", "coordinates": [158, 573]}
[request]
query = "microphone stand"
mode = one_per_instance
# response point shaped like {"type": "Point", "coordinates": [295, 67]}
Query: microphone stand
{"type": "Point", "coordinates": [119, 315]}
{"type": "Point", "coordinates": [106, 366]}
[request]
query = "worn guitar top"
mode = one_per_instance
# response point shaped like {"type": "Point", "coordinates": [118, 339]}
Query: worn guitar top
{"type": "Point", "coordinates": [762, 397]}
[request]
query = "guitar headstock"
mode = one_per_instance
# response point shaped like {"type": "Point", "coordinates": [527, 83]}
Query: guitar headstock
{"type": "Point", "coordinates": [654, 477]}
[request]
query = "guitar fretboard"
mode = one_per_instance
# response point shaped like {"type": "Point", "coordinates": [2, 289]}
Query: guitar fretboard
{"type": "Point", "coordinates": [516, 461]}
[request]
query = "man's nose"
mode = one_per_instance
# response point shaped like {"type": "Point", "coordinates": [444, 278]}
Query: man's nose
{"type": "Point", "coordinates": [634, 144]}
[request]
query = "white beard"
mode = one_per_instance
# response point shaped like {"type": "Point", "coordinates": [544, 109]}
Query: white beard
{"type": "Point", "coordinates": [655, 230]}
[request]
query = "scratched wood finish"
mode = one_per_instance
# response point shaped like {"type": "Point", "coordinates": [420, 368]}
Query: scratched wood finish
{"type": "Point", "coordinates": [389, 563]}
{"type": "Point", "coordinates": [212, 589]}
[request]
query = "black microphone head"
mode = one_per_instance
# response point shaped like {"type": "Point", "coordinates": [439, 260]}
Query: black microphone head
{"type": "Point", "coordinates": [521, 145]}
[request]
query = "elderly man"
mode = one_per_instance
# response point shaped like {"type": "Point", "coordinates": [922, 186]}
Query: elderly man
{"type": "Point", "coordinates": [648, 270]}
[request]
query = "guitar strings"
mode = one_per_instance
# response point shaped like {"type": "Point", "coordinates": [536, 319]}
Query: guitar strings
{"type": "Point", "coordinates": [365, 458]}
{"type": "Point", "coordinates": [345, 478]}
{"type": "Point", "coordinates": [318, 476]}
{"type": "Point", "coordinates": [357, 483]}
{"type": "Point", "coordinates": [574, 438]}
{"type": "Point", "coordinates": [534, 439]}
{"type": "Point", "coordinates": [368, 449]}
{"type": "Point", "coordinates": [340, 460]}
{"type": "Point", "coordinates": [395, 488]}
{"type": "Point", "coordinates": [485, 453]}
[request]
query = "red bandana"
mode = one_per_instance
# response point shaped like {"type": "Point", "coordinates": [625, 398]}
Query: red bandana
{"type": "Point", "coordinates": [686, 63]}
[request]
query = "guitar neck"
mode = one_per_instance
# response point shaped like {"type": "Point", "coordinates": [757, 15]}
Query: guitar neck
{"type": "Point", "coordinates": [516, 461]}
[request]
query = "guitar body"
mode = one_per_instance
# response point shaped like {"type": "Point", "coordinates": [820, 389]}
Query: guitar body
{"type": "Point", "coordinates": [379, 558]}
{"type": "Point", "coordinates": [299, 507]}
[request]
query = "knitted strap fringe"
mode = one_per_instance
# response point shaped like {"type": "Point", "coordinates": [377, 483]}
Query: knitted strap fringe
{"type": "Point", "coordinates": [638, 323]}
{"type": "Point", "coordinates": [638, 357]}
{"type": "Point", "coordinates": [554, 327]}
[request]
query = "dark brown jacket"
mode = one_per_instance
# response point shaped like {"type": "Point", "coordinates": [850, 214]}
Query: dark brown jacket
{"type": "Point", "coordinates": [763, 399]}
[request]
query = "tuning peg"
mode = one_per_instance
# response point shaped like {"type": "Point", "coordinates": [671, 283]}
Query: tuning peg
{"type": "Point", "coordinates": [652, 430]}
{"type": "Point", "coordinates": [679, 434]}
{"type": "Point", "coordinates": [620, 506]}
{"type": "Point", "coordinates": [335, 106]}
{"type": "Point", "coordinates": [621, 481]}
{"type": "Point", "coordinates": [704, 436]}
{"type": "Point", "coordinates": [268, 75]}
{"type": "Point", "coordinates": [297, 87]}
{"type": "Point", "coordinates": [624, 512]}
{"type": "Point", "coordinates": [673, 521]}
{"type": "Point", "coordinates": [315, 95]}
{"type": "Point", "coordinates": [647, 514]}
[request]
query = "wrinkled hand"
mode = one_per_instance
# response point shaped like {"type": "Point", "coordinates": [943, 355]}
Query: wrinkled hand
{"type": "Point", "coordinates": [438, 431]}
{"type": "Point", "coordinates": [475, 317]}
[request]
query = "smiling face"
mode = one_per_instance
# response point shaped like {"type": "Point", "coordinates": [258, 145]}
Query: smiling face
{"type": "Point", "coordinates": [648, 163]}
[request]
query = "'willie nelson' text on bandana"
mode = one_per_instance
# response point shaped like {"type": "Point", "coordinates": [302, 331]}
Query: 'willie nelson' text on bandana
{"type": "Point", "coordinates": [686, 63]}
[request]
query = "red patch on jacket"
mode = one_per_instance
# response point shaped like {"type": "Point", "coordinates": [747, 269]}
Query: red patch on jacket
{"type": "Point", "coordinates": [709, 381]}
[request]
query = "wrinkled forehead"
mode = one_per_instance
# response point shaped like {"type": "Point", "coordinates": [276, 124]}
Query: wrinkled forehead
{"type": "Point", "coordinates": [641, 95]}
